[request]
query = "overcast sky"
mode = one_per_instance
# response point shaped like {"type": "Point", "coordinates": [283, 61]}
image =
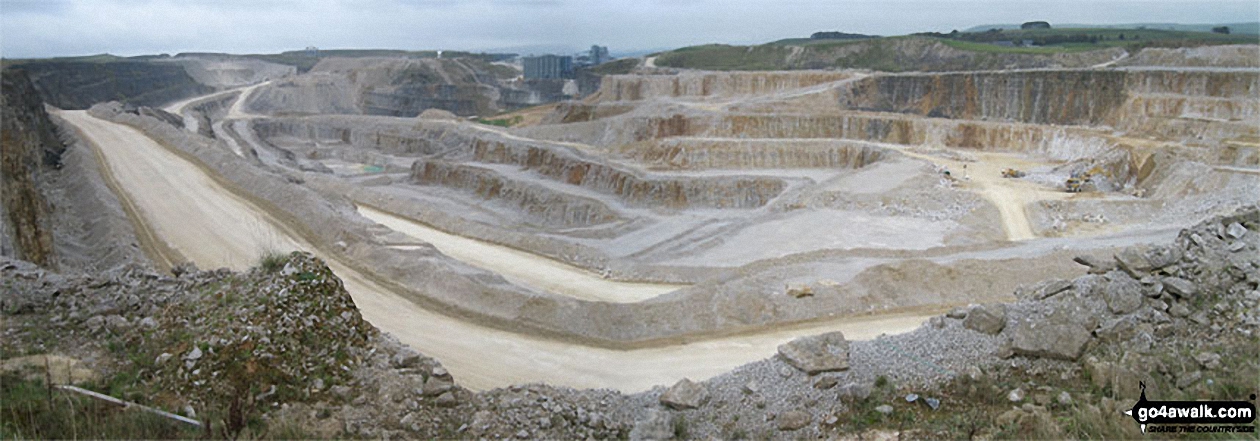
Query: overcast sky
{"type": "Point", "coordinates": [39, 28]}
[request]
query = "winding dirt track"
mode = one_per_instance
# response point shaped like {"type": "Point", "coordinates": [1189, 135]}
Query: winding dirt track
{"type": "Point", "coordinates": [212, 226]}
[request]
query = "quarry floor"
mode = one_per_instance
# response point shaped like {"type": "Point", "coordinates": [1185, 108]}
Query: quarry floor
{"type": "Point", "coordinates": [208, 224]}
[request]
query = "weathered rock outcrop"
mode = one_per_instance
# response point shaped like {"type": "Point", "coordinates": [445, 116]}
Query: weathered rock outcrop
{"type": "Point", "coordinates": [29, 146]}
{"type": "Point", "coordinates": [1151, 287]}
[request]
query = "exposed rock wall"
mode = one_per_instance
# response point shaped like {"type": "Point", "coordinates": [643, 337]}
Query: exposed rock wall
{"type": "Point", "coordinates": [704, 84]}
{"type": "Point", "coordinates": [1144, 107]}
{"type": "Point", "coordinates": [226, 72]}
{"type": "Point", "coordinates": [576, 111]}
{"type": "Point", "coordinates": [1242, 55]}
{"type": "Point", "coordinates": [629, 133]}
{"type": "Point", "coordinates": [1198, 107]}
{"type": "Point", "coordinates": [1056, 142]}
{"type": "Point", "coordinates": [708, 153]}
{"type": "Point", "coordinates": [632, 187]}
{"type": "Point", "coordinates": [1181, 104]}
{"type": "Point", "coordinates": [1040, 97]}
{"type": "Point", "coordinates": [79, 85]}
{"type": "Point", "coordinates": [391, 87]}
{"type": "Point", "coordinates": [1165, 175]}
{"type": "Point", "coordinates": [28, 147]}
{"type": "Point", "coordinates": [394, 137]}
{"type": "Point", "coordinates": [552, 161]}
{"type": "Point", "coordinates": [1221, 84]}
{"type": "Point", "coordinates": [542, 204]}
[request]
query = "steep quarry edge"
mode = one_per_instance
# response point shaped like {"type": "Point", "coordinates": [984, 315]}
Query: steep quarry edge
{"type": "Point", "coordinates": [29, 149]}
{"type": "Point", "coordinates": [58, 209]}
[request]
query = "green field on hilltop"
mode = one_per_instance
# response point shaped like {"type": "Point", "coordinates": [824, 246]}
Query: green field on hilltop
{"type": "Point", "coordinates": [915, 52]}
{"type": "Point", "coordinates": [1051, 40]}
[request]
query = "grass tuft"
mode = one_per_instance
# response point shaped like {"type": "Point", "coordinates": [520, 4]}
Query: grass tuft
{"type": "Point", "coordinates": [272, 261]}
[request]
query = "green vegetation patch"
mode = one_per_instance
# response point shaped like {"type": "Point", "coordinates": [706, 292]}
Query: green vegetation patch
{"type": "Point", "coordinates": [31, 410]}
{"type": "Point", "coordinates": [502, 122]}
{"type": "Point", "coordinates": [616, 67]}
{"type": "Point", "coordinates": [725, 57]}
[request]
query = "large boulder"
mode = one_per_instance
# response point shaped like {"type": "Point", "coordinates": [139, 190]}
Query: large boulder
{"type": "Point", "coordinates": [1054, 337]}
{"type": "Point", "coordinates": [1141, 260]}
{"type": "Point", "coordinates": [1123, 294]}
{"type": "Point", "coordinates": [685, 394]}
{"type": "Point", "coordinates": [988, 319]}
{"type": "Point", "coordinates": [1180, 287]}
{"type": "Point", "coordinates": [818, 353]}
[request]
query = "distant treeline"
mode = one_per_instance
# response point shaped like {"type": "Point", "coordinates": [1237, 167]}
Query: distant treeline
{"type": "Point", "coordinates": [839, 36]}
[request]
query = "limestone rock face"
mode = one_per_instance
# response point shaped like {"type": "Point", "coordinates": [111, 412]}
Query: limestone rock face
{"type": "Point", "coordinates": [998, 96]}
{"type": "Point", "coordinates": [818, 353]}
{"type": "Point", "coordinates": [29, 147]}
{"type": "Point", "coordinates": [685, 394]}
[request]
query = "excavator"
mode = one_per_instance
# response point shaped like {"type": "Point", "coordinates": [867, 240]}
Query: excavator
{"type": "Point", "coordinates": [1013, 173]}
{"type": "Point", "coordinates": [1078, 181]}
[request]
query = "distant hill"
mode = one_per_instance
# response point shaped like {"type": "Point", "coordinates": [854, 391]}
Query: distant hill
{"type": "Point", "coordinates": [1250, 28]}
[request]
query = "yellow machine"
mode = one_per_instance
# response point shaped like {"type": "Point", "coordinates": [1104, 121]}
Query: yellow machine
{"type": "Point", "coordinates": [1079, 181]}
{"type": "Point", "coordinates": [1013, 173]}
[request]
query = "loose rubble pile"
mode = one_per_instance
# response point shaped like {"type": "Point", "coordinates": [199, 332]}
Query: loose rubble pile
{"type": "Point", "coordinates": [290, 336]}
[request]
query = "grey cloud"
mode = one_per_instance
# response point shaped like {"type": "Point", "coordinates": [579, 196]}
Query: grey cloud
{"type": "Point", "coordinates": [131, 27]}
